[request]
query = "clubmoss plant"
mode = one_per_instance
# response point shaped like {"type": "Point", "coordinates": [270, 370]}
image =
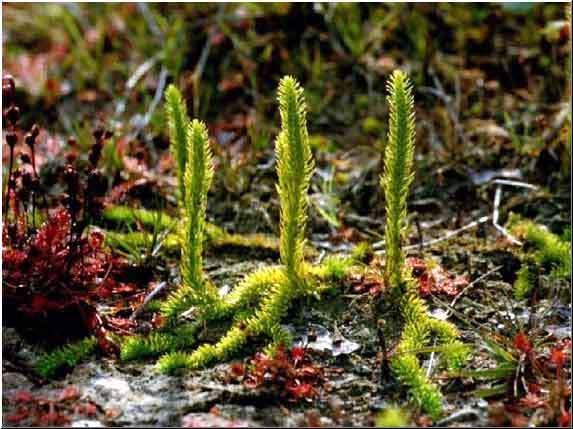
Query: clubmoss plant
{"type": "Point", "coordinates": [194, 182]}
{"type": "Point", "coordinates": [294, 169]}
{"type": "Point", "coordinates": [256, 305]}
{"type": "Point", "coordinates": [398, 175]}
{"type": "Point", "coordinates": [419, 327]}
{"type": "Point", "coordinates": [274, 288]}
{"type": "Point", "coordinates": [179, 127]}
{"type": "Point", "coordinates": [405, 365]}
{"type": "Point", "coordinates": [418, 332]}
{"type": "Point", "coordinates": [197, 180]}
{"type": "Point", "coordinates": [333, 268]}
{"type": "Point", "coordinates": [65, 357]}
{"type": "Point", "coordinates": [524, 282]}
{"type": "Point", "coordinates": [157, 343]}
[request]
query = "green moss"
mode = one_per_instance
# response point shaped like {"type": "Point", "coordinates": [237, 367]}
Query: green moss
{"type": "Point", "coordinates": [173, 362]}
{"type": "Point", "coordinates": [393, 418]}
{"type": "Point", "coordinates": [248, 292]}
{"type": "Point", "coordinates": [424, 394]}
{"type": "Point", "coordinates": [224, 240]}
{"type": "Point", "coordinates": [418, 332]}
{"type": "Point", "coordinates": [193, 156]}
{"type": "Point", "coordinates": [214, 236]}
{"type": "Point", "coordinates": [552, 252]}
{"type": "Point", "coordinates": [333, 268]}
{"type": "Point", "coordinates": [362, 252]}
{"type": "Point", "coordinates": [258, 304]}
{"type": "Point", "coordinates": [566, 234]}
{"type": "Point", "coordinates": [197, 180]}
{"type": "Point", "coordinates": [126, 241]}
{"type": "Point", "coordinates": [405, 364]}
{"type": "Point", "coordinates": [456, 355]}
{"type": "Point", "coordinates": [264, 321]}
{"type": "Point", "coordinates": [371, 125]}
{"type": "Point", "coordinates": [123, 215]}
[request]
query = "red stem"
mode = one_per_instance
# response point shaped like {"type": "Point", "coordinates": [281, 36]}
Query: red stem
{"type": "Point", "coordinates": [8, 187]}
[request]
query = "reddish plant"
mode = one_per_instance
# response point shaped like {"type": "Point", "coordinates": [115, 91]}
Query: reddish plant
{"type": "Point", "coordinates": [290, 372]}
{"type": "Point", "coordinates": [57, 267]}
{"type": "Point", "coordinates": [32, 410]}
{"type": "Point", "coordinates": [522, 343]}
{"type": "Point", "coordinates": [433, 279]}
{"type": "Point", "coordinates": [51, 263]}
{"type": "Point", "coordinates": [546, 388]}
{"type": "Point", "coordinates": [370, 283]}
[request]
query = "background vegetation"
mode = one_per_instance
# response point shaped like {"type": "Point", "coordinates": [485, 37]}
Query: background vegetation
{"type": "Point", "coordinates": [492, 88]}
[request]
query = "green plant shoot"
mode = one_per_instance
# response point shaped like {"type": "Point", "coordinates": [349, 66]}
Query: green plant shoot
{"type": "Point", "coordinates": [398, 175]}
{"type": "Point", "coordinates": [294, 168]}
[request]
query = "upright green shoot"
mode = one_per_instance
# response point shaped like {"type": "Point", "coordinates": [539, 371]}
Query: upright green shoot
{"type": "Point", "coordinates": [178, 125]}
{"type": "Point", "coordinates": [398, 175]}
{"type": "Point", "coordinates": [197, 180]}
{"type": "Point", "coordinates": [193, 154]}
{"type": "Point", "coordinates": [419, 328]}
{"type": "Point", "coordinates": [294, 168]}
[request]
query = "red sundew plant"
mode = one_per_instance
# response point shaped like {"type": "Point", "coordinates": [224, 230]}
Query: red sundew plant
{"type": "Point", "coordinates": [41, 411]}
{"type": "Point", "coordinates": [371, 283]}
{"type": "Point", "coordinates": [51, 269]}
{"type": "Point", "coordinates": [289, 372]}
{"type": "Point", "coordinates": [50, 262]}
{"type": "Point", "coordinates": [434, 279]}
{"type": "Point", "coordinates": [536, 383]}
